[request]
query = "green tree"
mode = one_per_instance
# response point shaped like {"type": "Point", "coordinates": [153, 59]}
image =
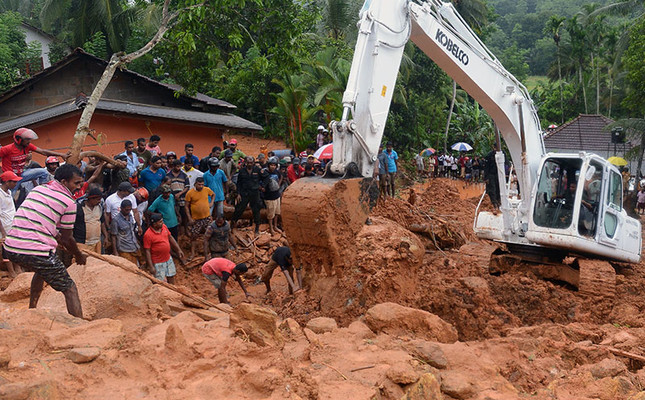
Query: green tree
{"type": "Point", "coordinates": [13, 50]}
{"type": "Point", "coordinates": [553, 27]}
{"type": "Point", "coordinates": [294, 106]}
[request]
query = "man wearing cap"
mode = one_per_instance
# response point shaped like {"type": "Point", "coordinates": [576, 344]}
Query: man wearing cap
{"type": "Point", "coordinates": [237, 153]}
{"type": "Point", "coordinates": [51, 163]}
{"type": "Point", "coordinates": [7, 212]}
{"type": "Point", "coordinates": [295, 171]}
{"type": "Point", "coordinates": [45, 219]}
{"type": "Point", "coordinates": [320, 137]}
{"type": "Point", "coordinates": [218, 270]}
{"type": "Point", "coordinates": [199, 203]}
{"type": "Point", "coordinates": [165, 205]}
{"type": "Point", "coordinates": [157, 243]}
{"type": "Point", "coordinates": [124, 239]}
{"type": "Point", "coordinates": [90, 221]}
{"type": "Point", "coordinates": [113, 204]}
{"type": "Point", "coordinates": [215, 179]}
{"type": "Point", "coordinates": [151, 177]}
{"type": "Point", "coordinates": [228, 165]}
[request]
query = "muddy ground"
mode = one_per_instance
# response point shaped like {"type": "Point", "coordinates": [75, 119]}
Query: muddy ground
{"type": "Point", "coordinates": [449, 329]}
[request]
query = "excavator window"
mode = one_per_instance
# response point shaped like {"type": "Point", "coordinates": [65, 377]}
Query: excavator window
{"type": "Point", "coordinates": [590, 201]}
{"type": "Point", "coordinates": [557, 187]}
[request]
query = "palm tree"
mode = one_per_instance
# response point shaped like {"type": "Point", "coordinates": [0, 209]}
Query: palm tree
{"type": "Point", "coordinates": [293, 105]}
{"type": "Point", "coordinates": [85, 17]}
{"type": "Point", "coordinates": [578, 53]}
{"type": "Point", "coordinates": [338, 18]}
{"type": "Point", "coordinates": [327, 77]}
{"type": "Point", "coordinates": [553, 26]}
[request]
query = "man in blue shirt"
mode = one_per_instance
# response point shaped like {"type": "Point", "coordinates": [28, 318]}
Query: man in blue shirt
{"type": "Point", "coordinates": [132, 157]}
{"type": "Point", "coordinates": [151, 177]}
{"type": "Point", "coordinates": [392, 158]}
{"type": "Point", "coordinates": [214, 179]}
{"type": "Point", "coordinates": [189, 148]}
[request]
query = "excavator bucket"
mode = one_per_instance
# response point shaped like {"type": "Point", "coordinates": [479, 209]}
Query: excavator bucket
{"type": "Point", "coordinates": [321, 216]}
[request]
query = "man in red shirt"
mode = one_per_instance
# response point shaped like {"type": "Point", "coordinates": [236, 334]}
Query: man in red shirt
{"type": "Point", "coordinates": [15, 156]}
{"type": "Point", "coordinates": [218, 270]}
{"type": "Point", "coordinates": [157, 242]}
{"type": "Point", "coordinates": [295, 171]}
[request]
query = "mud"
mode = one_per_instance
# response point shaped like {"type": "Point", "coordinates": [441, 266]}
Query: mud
{"type": "Point", "coordinates": [518, 336]}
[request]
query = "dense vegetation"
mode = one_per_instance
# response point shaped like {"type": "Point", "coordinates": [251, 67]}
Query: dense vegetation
{"type": "Point", "coordinates": [285, 63]}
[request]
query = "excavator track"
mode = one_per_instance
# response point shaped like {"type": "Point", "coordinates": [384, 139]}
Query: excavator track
{"type": "Point", "coordinates": [592, 277]}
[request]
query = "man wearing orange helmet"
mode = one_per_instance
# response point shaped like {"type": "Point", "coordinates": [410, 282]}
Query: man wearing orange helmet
{"type": "Point", "coordinates": [14, 157]}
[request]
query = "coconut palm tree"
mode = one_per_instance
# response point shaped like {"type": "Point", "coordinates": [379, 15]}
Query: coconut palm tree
{"type": "Point", "coordinates": [113, 18]}
{"type": "Point", "coordinates": [553, 26]}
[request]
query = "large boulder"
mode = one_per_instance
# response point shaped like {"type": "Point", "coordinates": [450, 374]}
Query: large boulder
{"type": "Point", "coordinates": [258, 324]}
{"type": "Point", "coordinates": [100, 333]}
{"type": "Point", "coordinates": [18, 288]}
{"type": "Point", "coordinates": [106, 291]}
{"type": "Point", "coordinates": [395, 319]}
{"type": "Point", "coordinates": [322, 324]}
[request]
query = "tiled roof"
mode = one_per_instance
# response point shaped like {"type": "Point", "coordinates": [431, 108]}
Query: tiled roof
{"type": "Point", "coordinates": [229, 121]}
{"type": "Point", "coordinates": [584, 133]}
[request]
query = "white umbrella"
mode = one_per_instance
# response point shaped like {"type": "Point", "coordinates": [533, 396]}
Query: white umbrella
{"type": "Point", "coordinates": [461, 146]}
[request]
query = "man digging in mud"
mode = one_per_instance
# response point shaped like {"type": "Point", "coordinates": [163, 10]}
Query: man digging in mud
{"type": "Point", "coordinates": [45, 218]}
{"type": "Point", "coordinates": [281, 257]}
{"type": "Point", "coordinates": [218, 270]}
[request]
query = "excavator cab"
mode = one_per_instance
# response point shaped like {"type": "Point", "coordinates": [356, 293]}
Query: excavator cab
{"type": "Point", "coordinates": [578, 206]}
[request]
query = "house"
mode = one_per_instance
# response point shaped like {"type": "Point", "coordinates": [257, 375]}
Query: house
{"type": "Point", "coordinates": [33, 34]}
{"type": "Point", "coordinates": [132, 106]}
{"type": "Point", "coordinates": [587, 132]}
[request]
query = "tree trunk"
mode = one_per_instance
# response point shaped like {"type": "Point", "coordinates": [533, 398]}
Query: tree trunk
{"type": "Point", "coordinates": [117, 59]}
{"type": "Point", "coordinates": [584, 90]}
{"type": "Point", "coordinates": [561, 93]}
{"type": "Point", "coordinates": [597, 84]}
{"type": "Point", "coordinates": [452, 105]}
{"type": "Point", "coordinates": [611, 92]}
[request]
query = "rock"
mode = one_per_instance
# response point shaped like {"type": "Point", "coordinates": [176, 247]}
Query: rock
{"type": "Point", "coordinates": [106, 291]}
{"type": "Point", "coordinates": [257, 323]}
{"type": "Point", "coordinates": [360, 331]}
{"type": "Point", "coordinates": [18, 288]}
{"type": "Point", "coordinates": [620, 337]}
{"type": "Point", "coordinates": [429, 353]}
{"type": "Point", "coordinates": [456, 385]}
{"type": "Point", "coordinates": [608, 367]}
{"type": "Point", "coordinates": [5, 358]}
{"type": "Point", "coordinates": [427, 388]}
{"type": "Point", "coordinates": [638, 396]}
{"type": "Point", "coordinates": [322, 324]}
{"type": "Point", "coordinates": [100, 333]}
{"type": "Point", "coordinates": [402, 373]}
{"type": "Point", "coordinates": [475, 283]}
{"type": "Point", "coordinates": [175, 340]}
{"type": "Point", "coordinates": [30, 390]}
{"type": "Point", "coordinates": [263, 240]}
{"type": "Point", "coordinates": [222, 307]}
{"type": "Point", "coordinates": [396, 319]}
{"type": "Point", "coordinates": [311, 337]}
{"type": "Point", "coordinates": [189, 302]}
{"type": "Point", "coordinates": [291, 328]}
{"type": "Point", "coordinates": [81, 355]}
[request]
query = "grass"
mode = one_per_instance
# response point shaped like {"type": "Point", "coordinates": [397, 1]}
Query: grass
{"type": "Point", "coordinates": [532, 81]}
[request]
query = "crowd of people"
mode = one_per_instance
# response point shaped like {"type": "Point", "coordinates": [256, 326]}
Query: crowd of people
{"type": "Point", "coordinates": [457, 165]}
{"type": "Point", "coordinates": [137, 205]}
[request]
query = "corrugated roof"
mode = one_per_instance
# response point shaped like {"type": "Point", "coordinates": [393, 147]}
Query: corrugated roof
{"type": "Point", "coordinates": [229, 121]}
{"type": "Point", "coordinates": [201, 98]}
{"type": "Point", "coordinates": [583, 133]}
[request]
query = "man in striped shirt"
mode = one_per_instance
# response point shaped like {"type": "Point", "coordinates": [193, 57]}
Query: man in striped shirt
{"type": "Point", "coordinates": [48, 213]}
